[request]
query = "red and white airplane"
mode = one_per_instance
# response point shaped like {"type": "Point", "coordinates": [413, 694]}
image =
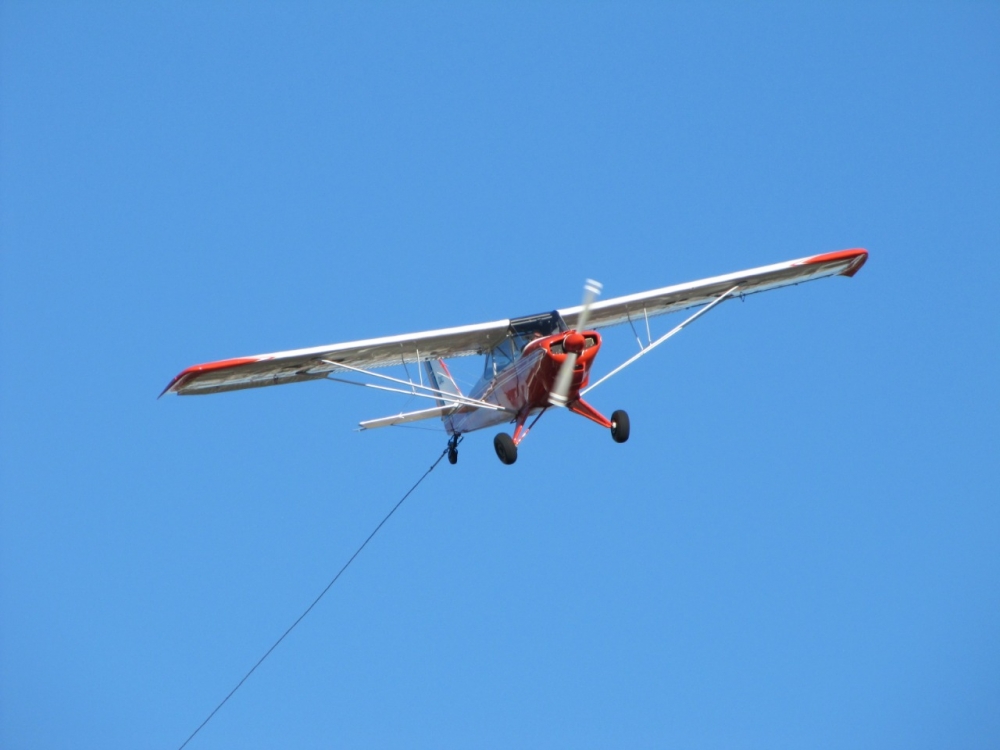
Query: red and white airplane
{"type": "Point", "coordinates": [532, 363]}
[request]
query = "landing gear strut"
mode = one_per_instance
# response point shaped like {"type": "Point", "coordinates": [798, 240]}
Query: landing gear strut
{"type": "Point", "coordinates": [505, 448]}
{"type": "Point", "coordinates": [453, 448]}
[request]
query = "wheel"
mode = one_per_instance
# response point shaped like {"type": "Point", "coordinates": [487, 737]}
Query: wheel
{"type": "Point", "coordinates": [453, 456]}
{"type": "Point", "coordinates": [619, 426]}
{"type": "Point", "coordinates": [505, 448]}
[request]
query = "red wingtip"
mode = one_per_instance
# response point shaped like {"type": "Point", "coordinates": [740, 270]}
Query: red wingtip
{"type": "Point", "coordinates": [207, 367]}
{"type": "Point", "coordinates": [169, 386]}
{"type": "Point", "coordinates": [859, 254]}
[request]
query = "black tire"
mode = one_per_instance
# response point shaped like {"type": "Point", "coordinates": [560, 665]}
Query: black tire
{"type": "Point", "coordinates": [619, 426]}
{"type": "Point", "coordinates": [505, 448]}
{"type": "Point", "coordinates": [453, 456]}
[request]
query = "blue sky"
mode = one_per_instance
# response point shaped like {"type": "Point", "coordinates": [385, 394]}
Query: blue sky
{"type": "Point", "coordinates": [796, 548]}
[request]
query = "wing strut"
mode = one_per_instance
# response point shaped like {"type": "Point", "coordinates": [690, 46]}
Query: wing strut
{"type": "Point", "coordinates": [433, 393]}
{"type": "Point", "coordinates": [664, 337]}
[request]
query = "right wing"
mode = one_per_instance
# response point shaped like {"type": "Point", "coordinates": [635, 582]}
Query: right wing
{"type": "Point", "coordinates": [669, 299]}
{"type": "Point", "coordinates": [311, 364]}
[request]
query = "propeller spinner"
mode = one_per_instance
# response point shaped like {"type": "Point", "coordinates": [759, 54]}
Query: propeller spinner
{"type": "Point", "coordinates": [573, 344]}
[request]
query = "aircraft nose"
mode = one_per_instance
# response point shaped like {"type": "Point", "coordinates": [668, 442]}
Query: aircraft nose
{"type": "Point", "coordinates": [574, 342]}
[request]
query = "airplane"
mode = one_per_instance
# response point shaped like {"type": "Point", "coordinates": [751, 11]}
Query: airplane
{"type": "Point", "coordinates": [532, 363]}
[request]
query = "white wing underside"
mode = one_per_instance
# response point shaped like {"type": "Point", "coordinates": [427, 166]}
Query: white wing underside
{"type": "Point", "coordinates": [318, 362]}
{"type": "Point", "coordinates": [679, 297]}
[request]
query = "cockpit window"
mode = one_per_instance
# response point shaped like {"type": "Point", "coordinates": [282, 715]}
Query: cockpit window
{"type": "Point", "coordinates": [522, 332]}
{"type": "Point", "coordinates": [500, 357]}
{"type": "Point", "coordinates": [526, 330]}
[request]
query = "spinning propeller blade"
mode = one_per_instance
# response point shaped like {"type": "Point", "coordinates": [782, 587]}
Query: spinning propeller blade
{"type": "Point", "coordinates": [591, 289]}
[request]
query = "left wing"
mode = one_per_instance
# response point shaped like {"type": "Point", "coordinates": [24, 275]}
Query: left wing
{"type": "Point", "coordinates": [669, 299]}
{"type": "Point", "coordinates": [311, 364]}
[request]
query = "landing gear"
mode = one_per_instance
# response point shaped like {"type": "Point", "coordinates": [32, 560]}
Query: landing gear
{"type": "Point", "coordinates": [619, 426]}
{"type": "Point", "coordinates": [505, 448]}
{"type": "Point", "coordinates": [453, 449]}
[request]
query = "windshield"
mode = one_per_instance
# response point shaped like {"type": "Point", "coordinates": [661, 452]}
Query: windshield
{"type": "Point", "coordinates": [522, 332]}
{"type": "Point", "coordinates": [525, 330]}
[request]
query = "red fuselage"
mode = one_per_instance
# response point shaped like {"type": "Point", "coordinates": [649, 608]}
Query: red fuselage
{"type": "Point", "coordinates": [523, 387]}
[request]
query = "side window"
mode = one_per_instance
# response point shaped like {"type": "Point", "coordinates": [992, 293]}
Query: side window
{"type": "Point", "coordinates": [499, 358]}
{"type": "Point", "coordinates": [503, 355]}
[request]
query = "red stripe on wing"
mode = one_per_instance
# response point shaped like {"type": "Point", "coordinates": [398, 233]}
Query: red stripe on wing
{"type": "Point", "coordinates": [195, 370]}
{"type": "Point", "coordinates": [859, 254]}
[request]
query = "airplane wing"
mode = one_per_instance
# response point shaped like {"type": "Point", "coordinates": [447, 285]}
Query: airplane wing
{"type": "Point", "coordinates": [636, 307]}
{"type": "Point", "coordinates": [311, 364]}
{"type": "Point", "coordinates": [317, 362]}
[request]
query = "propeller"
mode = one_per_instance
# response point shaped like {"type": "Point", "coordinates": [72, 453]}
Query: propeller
{"type": "Point", "coordinates": [573, 344]}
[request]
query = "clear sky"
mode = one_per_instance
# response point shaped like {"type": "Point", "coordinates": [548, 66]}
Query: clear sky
{"type": "Point", "coordinates": [798, 547]}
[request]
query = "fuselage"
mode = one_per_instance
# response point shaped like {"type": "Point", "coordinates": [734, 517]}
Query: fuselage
{"type": "Point", "coordinates": [523, 385]}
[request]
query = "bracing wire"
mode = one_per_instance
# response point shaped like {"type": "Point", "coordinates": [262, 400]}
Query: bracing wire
{"type": "Point", "coordinates": [316, 600]}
